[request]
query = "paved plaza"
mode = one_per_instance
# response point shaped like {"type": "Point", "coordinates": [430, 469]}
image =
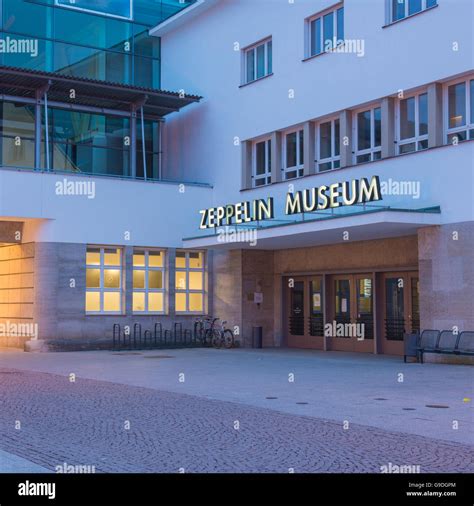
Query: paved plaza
{"type": "Point", "coordinates": [207, 410]}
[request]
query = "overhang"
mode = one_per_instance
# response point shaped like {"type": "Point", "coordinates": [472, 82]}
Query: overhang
{"type": "Point", "coordinates": [287, 234]}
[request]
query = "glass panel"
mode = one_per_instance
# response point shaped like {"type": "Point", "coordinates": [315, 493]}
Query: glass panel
{"type": "Point", "coordinates": [457, 105]}
{"type": "Point", "coordinates": [407, 118]}
{"type": "Point", "coordinates": [180, 259]}
{"type": "Point", "coordinates": [138, 279]}
{"type": "Point", "coordinates": [260, 61]}
{"type": "Point", "coordinates": [92, 301]}
{"type": "Point", "coordinates": [180, 302]}
{"type": "Point", "coordinates": [378, 126]}
{"type": "Point", "coordinates": [363, 158]}
{"type": "Point", "coordinates": [180, 279]}
{"type": "Point", "coordinates": [414, 6]}
{"type": "Point", "coordinates": [325, 166]}
{"type": "Point", "coordinates": [93, 256]}
{"type": "Point", "coordinates": [377, 155]}
{"type": "Point", "coordinates": [297, 299]}
{"type": "Point", "coordinates": [407, 148]}
{"type": "Point", "coordinates": [138, 301]}
{"type": "Point", "coordinates": [195, 302]}
{"type": "Point", "coordinates": [155, 302]}
{"type": "Point", "coordinates": [472, 101]}
{"type": "Point", "coordinates": [260, 159]}
{"type": "Point", "coordinates": [363, 130]}
{"type": "Point", "coordinates": [111, 278]}
{"type": "Point", "coordinates": [328, 24]}
{"type": "Point", "coordinates": [316, 36]}
{"type": "Point", "coordinates": [111, 301]}
{"type": "Point", "coordinates": [394, 298]}
{"type": "Point", "coordinates": [325, 140]}
{"type": "Point", "coordinates": [196, 260]}
{"type": "Point", "coordinates": [423, 145]}
{"type": "Point", "coordinates": [301, 147]}
{"type": "Point", "coordinates": [155, 258]}
{"type": "Point", "coordinates": [195, 280]}
{"type": "Point", "coordinates": [25, 17]}
{"type": "Point", "coordinates": [398, 9]}
{"type": "Point", "coordinates": [155, 279]}
{"type": "Point", "coordinates": [364, 296]}
{"type": "Point", "coordinates": [112, 256]}
{"type": "Point", "coordinates": [119, 8]}
{"type": "Point", "coordinates": [291, 150]}
{"type": "Point", "coordinates": [93, 278]}
{"type": "Point", "coordinates": [423, 114]}
{"type": "Point", "coordinates": [139, 259]}
{"type": "Point", "coordinates": [457, 137]}
{"type": "Point", "coordinates": [342, 297]}
{"type": "Point", "coordinates": [250, 65]}
{"type": "Point", "coordinates": [340, 25]}
{"type": "Point", "coordinates": [270, 57]}
{"type": "Point", "coordinates": [316, 302]}
{"type": "Point", "coordinates": [337, 139]}
{"type": "Point", "coordinates": [431, 3]}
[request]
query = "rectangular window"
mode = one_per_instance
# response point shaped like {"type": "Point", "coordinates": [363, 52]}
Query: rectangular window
{"type": "Point", "coordinates": [262, 163]}
{"type": "Point", "coordinates": [328, 145]}
{"type": "Point", "coordinates": [148, 281]}
{"type": "Point", "coordinates": [326, 31]}
{"type": "Point", "coordinates": [258, 61]}
{"type": "Point", "coordinates": [368, 135]}
{"type": "Point", "coordinates": [412, 124]}
{"type": "Point", "coordinates": [103, 280]}
{"type": "Point", "coordinates": [190, 282]}
{"type": "Point", "coordinates": [401, 9]}
{"type": "Point", "coordinates": [293, 154]}
{"type": "Point", "coordinates": [460, 111]}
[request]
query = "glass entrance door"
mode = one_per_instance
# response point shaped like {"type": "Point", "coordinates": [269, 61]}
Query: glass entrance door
{"type": "Point", "coordinates": [297, 309]}
{"type": "Point", "coordinates": [394, 308]}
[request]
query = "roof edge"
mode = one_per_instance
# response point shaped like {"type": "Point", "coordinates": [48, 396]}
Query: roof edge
{"type": "Point", "coordinates": [181, 17]}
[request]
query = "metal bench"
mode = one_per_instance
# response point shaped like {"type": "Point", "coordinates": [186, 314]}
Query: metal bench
{"type": "Point", "coordinates": [446, 342]}
{"type": "Point", "coordinates": [428, 342]}
{"type": "Point", "coordinates": [465, 344]}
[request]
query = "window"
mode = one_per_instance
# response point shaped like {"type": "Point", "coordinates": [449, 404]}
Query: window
{"type": "Point", "coordinates": [326, 31]}
{"type": "Point", "coordinates": [258, 61]}
{"type": "Point", "coordinates": [148, 281]}
{"type": "Point", "coordinates": [293, 154]}
{"type": "Point", "coordinates": [328, 145]}
{"type": "Point", "coordinates": [103, 280]}
{"type": "Point", "coordinates": [412, 124]}
{"type": "Point", "coordinates": [262, 163]}
{"type": "Point", "coordinates": [113, 8]}
{"type": "Point", "coordinates": [190, 281]}
{"type": "Point", "coordinates": [403, 8]}
{"type": "Point", "coordinates": [368, 135]}
{"type": "Point", "coordinates": [460, 111]}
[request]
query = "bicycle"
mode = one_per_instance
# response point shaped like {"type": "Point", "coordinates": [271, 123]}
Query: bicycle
{"type": "Point", "coordinates": [223, 336]}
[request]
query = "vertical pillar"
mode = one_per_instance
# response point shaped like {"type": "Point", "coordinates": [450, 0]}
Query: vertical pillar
{"type": "Point", "coordinates": [309, 143]}
{"type": "Point", "coordinates": [325, 316]}
{"type": "Point", "coordinates": [345, 121]}
{"type": "Point", "coordinates": [388, 127]}
{"type": "Point", "coordinates": [171, 281]}
{"type": "Point", "coordinates": [246, 169]}
{"type": "Point", "coordinates": [276, 157]}
{"type": "Point", "coordinates": [38, 131]}
{"type": "Point", "coordinates": [133, 142]}
{"type": "Point", "coordinates": [374, 310]}
{"type": "Point", "coordinates": [435, 115]}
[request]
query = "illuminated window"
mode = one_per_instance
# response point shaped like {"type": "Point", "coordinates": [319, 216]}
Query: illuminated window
{"type": "Point", "coordinates": [367, 126]}
{"type": "Point", "coordinates": [148, 281]}
{"type": "Point", "coordinates": [412, 124]}
{"type": "Point", "coordinates": [190, 282]}
{"type": "Point", "coordinates": [459, 98]}
{"type": "Point", "coordinates": [103, 280]}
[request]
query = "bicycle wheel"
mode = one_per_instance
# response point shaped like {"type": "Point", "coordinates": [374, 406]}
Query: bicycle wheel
{"type": "Point", "coordinates": [216, 338]}
{"type": "Point", "coordinates": [228, 338]}
{"type": "Point", "coordinates": [208, 337]}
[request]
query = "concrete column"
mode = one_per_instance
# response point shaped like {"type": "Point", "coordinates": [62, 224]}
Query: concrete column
{"type": "Point", "coordinates": [133, 143]}
{"type": "Point", "coordinates": [309, 151]}
{"type": "Point", "coordinates": [127, 287]}
{"type": "Point", "coordinates": [276, 157]}
{"type": "Point", "coordinates": [246, 165]}
{"type": "Point", "coordinates": [171, 281]}
{"type": "Point", "coordinates": [345, 121]}
{"type": "Point", "coordinates": [435, 115]}
{"type": "Point", "coordinates": [388, 127]}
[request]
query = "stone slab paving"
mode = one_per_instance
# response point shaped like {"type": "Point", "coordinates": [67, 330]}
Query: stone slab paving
{"type": "Point", "coordinates": [84, 423]}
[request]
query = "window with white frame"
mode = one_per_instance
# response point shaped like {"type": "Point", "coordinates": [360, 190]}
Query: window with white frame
{"type": "Point", "coordinates": [325, 30]}
{"type": "Point", "coordinates": [412, 123]}
{"type": "Point", "coordinates": [328, 151]}
{"type": "Point", "coordinates": [103, 280]}
{"type": "Point", "coordinates": [459, 99]}
{"type": "Point", "coordinates": [400, 9]}
{"type": "Point", "coordinates": [368, 135]}
{"type": "Point", "coordinates": [262, 163]}
{"type": "Point", "coordinates": [258, 61]}
{"type": "Point", "coordinates": [293, 154]}
{"type": "Point", "coordinates": [190, 282]}
{"type": "Point", "coordinates": [148, 281]}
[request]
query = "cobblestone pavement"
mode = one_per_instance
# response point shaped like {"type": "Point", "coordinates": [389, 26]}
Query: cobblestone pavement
{"type": "Point", "coordinates": [84, 423]}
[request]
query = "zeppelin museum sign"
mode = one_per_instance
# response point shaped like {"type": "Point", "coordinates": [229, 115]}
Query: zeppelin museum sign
{"type": "Point", "coordinates": [309, 200]}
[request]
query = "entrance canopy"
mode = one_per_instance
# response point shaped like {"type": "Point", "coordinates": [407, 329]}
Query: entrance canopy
{"type": "Point", "coordinates": [314, 229]}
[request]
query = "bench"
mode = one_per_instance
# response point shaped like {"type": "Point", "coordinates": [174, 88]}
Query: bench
{"type": "Point", "coordinates": [446, 342]}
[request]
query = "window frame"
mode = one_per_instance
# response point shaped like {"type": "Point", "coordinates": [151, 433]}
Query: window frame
{"type": "Point", "coordinates": [334, 9]}
{"type": "Point", "coordinates": [418, 138]}
{"type": "Point", "coordinates": [468, 127]}
{"type": "Point", "coordinates": [147, 268]}
{"type": "Point", "coordinates": [333, 159]}
{"type": "Point", "coordinates": [268, 71]}
{"type": "Point", "coordinates": [187, 269]}
{"type": "Point", "coordinates": [96, 12]}
{"type": "Point", "coordinates": [355, 134]}
{"type": "Point", "coordinates": [299, 167]}
{"type": "Point", "coordinates": [267, 175]}
{"type": "Point", "coordinates": [424, 7]}
{"type": "Point", "coordinates": [102, 289]}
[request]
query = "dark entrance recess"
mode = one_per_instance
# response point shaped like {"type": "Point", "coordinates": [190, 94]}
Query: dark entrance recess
{"type": "Point", "coordinates": [297, 309]}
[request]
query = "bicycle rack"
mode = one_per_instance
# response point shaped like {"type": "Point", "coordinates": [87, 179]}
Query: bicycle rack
{"type": "Point", "coordinates": [146, 333]}
{"type": "Point", "coordinates": [158, 328]}
{"type": "Point", "coordinates": [137, 330]}
{"type": "Point", "coordinates": [116, 336]}
{"type": "Point", "coordinates": [188, 332]}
